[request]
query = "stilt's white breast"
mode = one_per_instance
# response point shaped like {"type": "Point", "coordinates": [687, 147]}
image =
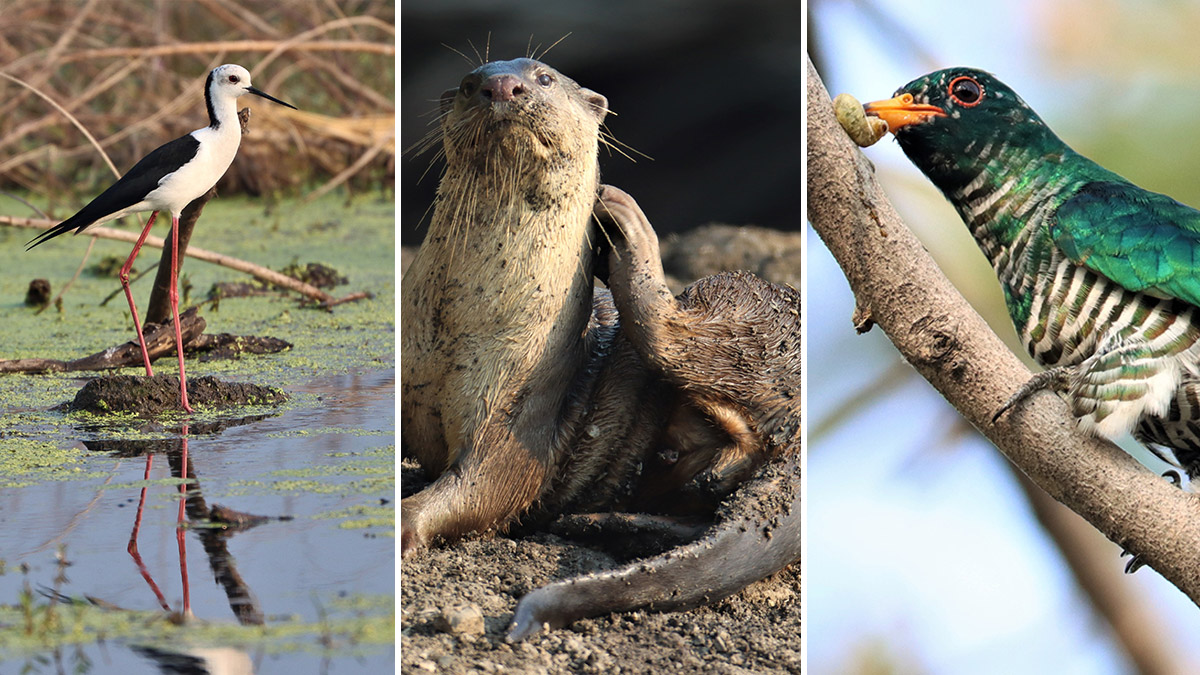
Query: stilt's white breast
{"type": "Point", "coordinates": [217, 149]}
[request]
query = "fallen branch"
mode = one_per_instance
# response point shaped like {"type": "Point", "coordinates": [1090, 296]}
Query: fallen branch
{"type": "Point", "coordinates": [160, 341]}
{"type": "Point", "coordinates": [334, 302]}
{"type": "Point", "coordinates": [268, 275]}
{"type": "Point", "coordinates": [899, 287]}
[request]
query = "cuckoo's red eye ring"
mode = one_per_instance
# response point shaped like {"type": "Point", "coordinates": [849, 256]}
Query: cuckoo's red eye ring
{"type": "Point", "coordinates": [965, 91]}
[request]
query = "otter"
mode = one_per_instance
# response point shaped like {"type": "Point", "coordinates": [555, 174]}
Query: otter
{"type": "Point", "coordinates": [526, 392]}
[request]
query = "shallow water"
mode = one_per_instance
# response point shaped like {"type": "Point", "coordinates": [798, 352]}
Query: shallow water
{"type": "Point", "coordinates": [319, 573]}
{"type": "Point", "coordinates": [324, 464]}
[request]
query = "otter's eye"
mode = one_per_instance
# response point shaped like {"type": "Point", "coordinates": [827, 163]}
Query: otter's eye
{"type": "Point", "coordinates": [467, 88]}
{"type": "Point", "coordinates": [966, 91]}
{"type": "Point", "coordinates": [545, 80]}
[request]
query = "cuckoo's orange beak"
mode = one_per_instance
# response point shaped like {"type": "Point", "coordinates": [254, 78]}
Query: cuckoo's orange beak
{"type": "Point", "coordinates": [901, 111]}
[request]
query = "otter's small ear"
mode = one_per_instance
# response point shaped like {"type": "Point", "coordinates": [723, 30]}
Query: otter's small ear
{"type": "Point", "coordinates": [447, 99]}
{"type": "Point", "coordinates": [596, 102]}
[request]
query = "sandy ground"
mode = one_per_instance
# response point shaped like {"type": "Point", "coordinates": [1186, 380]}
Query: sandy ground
{"type": "Point", "coordinates": [754, 631]}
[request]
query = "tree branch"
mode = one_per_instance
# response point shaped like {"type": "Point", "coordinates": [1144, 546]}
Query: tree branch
{"type": "Point", "coordinates": [899, 287]}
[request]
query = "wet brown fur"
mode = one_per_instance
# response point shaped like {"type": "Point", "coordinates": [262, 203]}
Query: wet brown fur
{"type": "Point", "coordinates": [494, 306]}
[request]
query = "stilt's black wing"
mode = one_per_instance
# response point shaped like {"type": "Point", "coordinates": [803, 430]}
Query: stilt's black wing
{"type": "Point", "coordinates": [130, 189]}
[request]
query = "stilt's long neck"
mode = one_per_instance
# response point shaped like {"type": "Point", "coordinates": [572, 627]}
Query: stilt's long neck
{"type": "Point", "coordinates": [222, 110]}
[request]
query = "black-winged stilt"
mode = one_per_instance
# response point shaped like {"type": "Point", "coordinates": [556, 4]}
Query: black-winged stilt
{"type": "Point", "coordinates": [168, 179]}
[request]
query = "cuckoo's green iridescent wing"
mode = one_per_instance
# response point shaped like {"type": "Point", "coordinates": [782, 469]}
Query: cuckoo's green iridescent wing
{"type": "Point", "coordinates": [1142, 240]}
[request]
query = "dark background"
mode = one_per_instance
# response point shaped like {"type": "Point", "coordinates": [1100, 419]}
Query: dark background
{"type": "Point", "coordinates": [711, 90]}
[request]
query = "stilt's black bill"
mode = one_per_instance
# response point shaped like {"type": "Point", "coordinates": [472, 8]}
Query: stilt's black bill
{"type": "Point", "coordinates": [269, 97]}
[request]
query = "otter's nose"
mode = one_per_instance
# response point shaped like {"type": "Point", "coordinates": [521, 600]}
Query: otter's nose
{"type": "Point", "coordinates": [503, 87]}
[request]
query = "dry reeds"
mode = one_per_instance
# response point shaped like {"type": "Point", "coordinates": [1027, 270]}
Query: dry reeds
{"type": "Point", "coordinates": [132, 73]}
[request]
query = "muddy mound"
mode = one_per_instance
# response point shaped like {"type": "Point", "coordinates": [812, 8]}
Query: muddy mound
{"type": "Point", "coordinates": [153, 395]}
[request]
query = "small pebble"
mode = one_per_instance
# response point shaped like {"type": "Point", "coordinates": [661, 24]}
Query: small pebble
{"type": "Point", "coordinates": [573, 644]}
{"type": "Point", "coordinates": [460, 619]}
{"type": "Point", "coordinates": [722, 641]}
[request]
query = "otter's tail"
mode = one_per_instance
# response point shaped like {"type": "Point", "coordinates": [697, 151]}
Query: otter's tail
{"type": "Point", "coordinates": [759, 535]}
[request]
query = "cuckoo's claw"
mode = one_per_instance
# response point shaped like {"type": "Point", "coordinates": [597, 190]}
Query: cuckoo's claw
{"type": "Point", "coordinates": [1054, 379]}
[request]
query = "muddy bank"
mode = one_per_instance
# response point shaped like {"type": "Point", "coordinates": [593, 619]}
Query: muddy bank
{"type": "Point", "coordinates": [754, 631]}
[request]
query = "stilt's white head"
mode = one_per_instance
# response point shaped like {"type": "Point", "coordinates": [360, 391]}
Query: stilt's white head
{"type": "Point", "coordinates": [231, 81]}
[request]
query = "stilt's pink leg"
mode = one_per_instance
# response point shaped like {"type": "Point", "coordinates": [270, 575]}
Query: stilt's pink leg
{"type": "Point", "coordinates": [124, 276]}
{"type": "Point", "coordinates": [173, 295]}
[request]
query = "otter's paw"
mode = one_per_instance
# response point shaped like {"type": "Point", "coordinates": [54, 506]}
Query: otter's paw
{"type": "Point", "coordinates": [545, 608]}
{"type": "Point", "coordinates": [634, 237]}
{"type": "Point", "coordinates": [635, 266]}
{"type": "Point", "coordinates": [410, 540]}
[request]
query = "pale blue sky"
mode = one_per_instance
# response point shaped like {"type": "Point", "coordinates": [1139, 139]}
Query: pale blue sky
{"type": "Point", "coordinates": [919, 544]}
